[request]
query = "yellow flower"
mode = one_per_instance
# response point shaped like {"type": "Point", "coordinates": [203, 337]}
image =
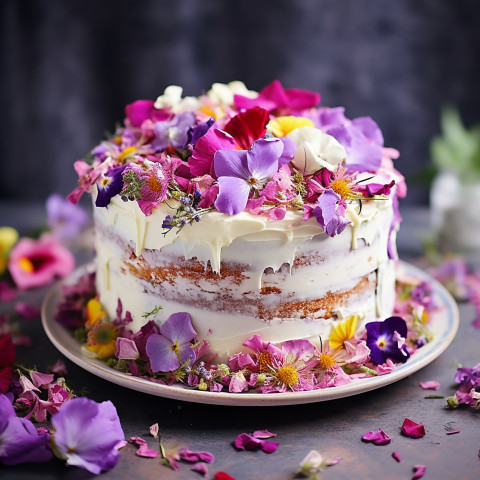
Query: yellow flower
{"type": "Point", "coordinates": [94, 313]}
{"type": "Point", "coordinates": [8, 238]}
{"type": "Point", "coordinates": [282, 126]}
{"type": "Point", "coordinates": [102, 340]}
{"type": "Point", "coordinates": [343, 331]}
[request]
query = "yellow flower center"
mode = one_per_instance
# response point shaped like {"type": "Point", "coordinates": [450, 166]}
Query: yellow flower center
{"type": "Point", "coordinates": [174, 347]}
{"type": "Point", "coordinates": [26, 264]}
{"type": "Point", "coordinates": [287, 375]}
{"type": "Point", "coordinates": [326, 361]}
{"type": "Point", "coordinates": [105, 181]}
{"type": "Point", "coordinates": [103, 334]}
{"type": "Point", "coordinates": [264, 360]}
{"type": "Point", "coordinates": [154, 184]}
{"type": "Point", "coordinates": [381, 343]}
{"type": "Point", "coordinates": [126, 151]}
{"type": "Point", "coordinates": [341, 187]}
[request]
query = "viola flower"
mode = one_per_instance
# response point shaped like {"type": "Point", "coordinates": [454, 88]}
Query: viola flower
{"type": "Point", "coordinates": [330, 213]}
{"type": "Point", "coordinates": [275, 98]}
{"type": "Point", "coordinates": [7, 359]}
{"type": "Point", "coordinates": [315, 150]}
{"type": "Point", "coordinates": [34, 263]}
{"type": "Point", "coordinates": [172, 348]}
{"type": "Point", "coordinates": [20, 441]}
{"type": "Point", "coordinates": [102, 340]}
{"type": "Point", "coordinates": [86, 434]}
{"type": "Point", "coordinates": [65, 219]}
{"type": "Point", "coordinates": [240, 171]}
{"type": "Point", "coordinates": [8, 238]}
{"type": "Point", "coordinates": [343, 331]}
{"type": "Point", "coordinates": [173, 132]}
{"type": "Point", "coordinates": [198, 131]}
{"type": "Point", "coordinates": [109, 185]}
{"type": "Point", "coordinates": [386, 340]}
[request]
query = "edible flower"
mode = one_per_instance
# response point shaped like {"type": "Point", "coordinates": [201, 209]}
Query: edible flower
{"type": "Point", "coordinates": [65, 219]}
{"type": "Point", "coordinates": [86, 434]}
{"type": "Point", "coordinates": [34, 263]}
{"type": "Point", "coordinates": [94, 312]}
{"type": "Point", "coordinates": [240, 171]}
{"type": "Point", "coordinates": [20, 441]}
{"type": "Point", "coordinates": [173, 132]}
{"type": "Point", "coordinates": [342, 332]}
{"type": "Point", "coordinates": [102, 340]}
{"type": "Point", "coordinates": [387, 340]}
{"type": "Point", "coordinates": [282, 126]}
{"type": "Point", "coordinates": [172, 347]}
{"type": "Point", "coordinates": [8, 238]}
{"type": "Point", "coordinates": [109, 185]}
{"type": "Point", "coordinates": [330, 213]}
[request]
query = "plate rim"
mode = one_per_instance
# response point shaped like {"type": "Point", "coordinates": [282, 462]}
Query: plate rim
{"type": "Point", "coordinates": [417, 361]}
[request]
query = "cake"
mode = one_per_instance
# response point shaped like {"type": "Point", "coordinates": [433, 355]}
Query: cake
{"type": "Point", "coordinates": [256, 213]}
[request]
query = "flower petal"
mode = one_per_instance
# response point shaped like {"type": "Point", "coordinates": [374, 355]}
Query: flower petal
{"type": "Point", "coordinates": [233, 195]}
{"type": "Point", "coordinates": [178, 328]}
{"type": "Point", "coordinates": [159, 351]}
{"type": "Point", "coordinates": [412, 429]}
{"type": "Point", "coordinates": [248, 126]}
{"type": "Point", "coordinates": [231, 163]}
{"type": "Point", "coordinates": [262, 158]}
{"type": "Point", "coordinates": [378, 438]}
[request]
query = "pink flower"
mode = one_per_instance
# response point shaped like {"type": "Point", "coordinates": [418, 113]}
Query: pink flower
{"type": "Point", "coordinates": [412, 429]}
{"type": "Point", "coordinates": [34, 263]}
{"type": "Point", "coordinates": [378, 438]}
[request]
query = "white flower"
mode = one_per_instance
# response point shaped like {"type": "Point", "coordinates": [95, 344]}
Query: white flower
{"type": "Point", "coordinates": [223, 93]}
{"type": "Point", "coordinates": [172, 98]}
{"type": "Point", "coordinates": [315, 150]}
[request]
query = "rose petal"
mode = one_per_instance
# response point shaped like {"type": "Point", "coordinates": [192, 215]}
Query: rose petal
{"type": "Point", "coordinates": [430, 385]}
{"type": "Point", "coordinates": [397, 456]}
{"type": "Point", "coordinates": [269, 447]}
{"type": "Point", "coordinates": [200, 468]}
{"type": "Point", "coordinates": [412, 429]}
{"type": "Point", "coordinates": [223, 476]}
{"type": "Point", "coordinates": [418, 471]}
{"type": "Point", "coordinates": [263, 434]}
{"type": "Point", "coordinates": [189, 456]}
{"type": "Point", "coordinates": [378, 438]}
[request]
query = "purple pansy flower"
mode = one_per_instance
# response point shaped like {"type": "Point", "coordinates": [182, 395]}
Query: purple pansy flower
{"type": "Point", "coordinates": [387, 340]}
{"type": "Point", "coordinates": [239, 171]}
{"type": "Point", "coordinates": [110, 185]}
{"type": "Point", "coordinates": [87, 433]}
{"type": "Point", "coordinates": [65, 219]}
{"type": "Point", "coordinates": [173, 132]}
{"type": "Point", "coordinates": [19, 440]}
{"type": "Point", "coordinates": [172, 348]}
{"type": "Point", "coordinates": [198, 131]}
{"type": "Point", "coordinates": [330, 212]}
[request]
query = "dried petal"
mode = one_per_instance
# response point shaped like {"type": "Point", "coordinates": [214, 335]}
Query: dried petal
{"type": "Point", "coordinates": [378, 438]}
{"type": "Point", "coordinates": [412, 429]}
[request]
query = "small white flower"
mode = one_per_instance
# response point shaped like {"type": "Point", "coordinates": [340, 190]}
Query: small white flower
{"type": "Point", "coordinates": [172, 98]}
{"type": "Point", "coordinates": [223, 93]}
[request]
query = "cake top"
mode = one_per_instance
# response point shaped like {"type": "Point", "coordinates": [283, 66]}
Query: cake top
{"type": "Point", "coordinates": [233, 150]}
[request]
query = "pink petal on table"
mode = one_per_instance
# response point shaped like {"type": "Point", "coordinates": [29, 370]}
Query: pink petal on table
{"type": "Point", "coordinates": [412, 429]}
{"type": "Point", "coordinates": [27, 311]}
{"type": "Point", "coordinates": [418, 471]}
{"type": "Point", "coordinates": [143, 450]}
{"type": "Point", "coordinates": [200, 468]}
{"type": "Point", "coordinates": [378, 438]}
{"type": "Point", "coordinates": [430, 385]}
{"type": "Point", "coordinates": [246, 441]}
{"type": "Point", "coordinates": [263, 434]}
{"type": "Point", "coordinates": [269, 447]}
{"type": "Point", "coordinates": [451, 432]}
{"type": "Point", "coordinates": [189, 456]}
{"type": "Point", "coordinates": [397, 456]}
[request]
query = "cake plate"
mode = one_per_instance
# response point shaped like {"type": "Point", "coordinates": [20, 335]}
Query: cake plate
{"type": "Point", "coordinates": [443, 326]}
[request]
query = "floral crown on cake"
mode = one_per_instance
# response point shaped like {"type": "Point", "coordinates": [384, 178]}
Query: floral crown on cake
{"type": "Point", "coordinates": [234, 150]}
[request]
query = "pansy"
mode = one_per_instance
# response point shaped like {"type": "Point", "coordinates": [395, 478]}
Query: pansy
{"type": "Point", "coordinates": [7, 359]}
{"type": "Point", "coordinates": [102, 340]}
{"type": "Point", "coordinates": [241, 171]}
{"type": "Point", "coordinates": [386, 340]}
{"type": "Point", "coordinates": [65, 219]}
{"type": "Point", "coordinates": [172, 347]}
{"type": "Point", "coordinates": [275, 98]}
{"type": "Point", "coordinates": [315, 150]}
{"type": "Point", "coordinates": [109, 185]}
{"type": "Point", "coordinates": [330, 212]}
{"type": "Point", "coordinates": [20, 441]}
{"type": "Point", "coordinates": [343, 331]}
{"type": "Point", "coordinates": [87, 433]}
{"type": "Point", "coordinates": [8, 238]}
{"type": "Point", "coordinates": [34, 263]}
{"type": "Point", "coordinates": [173, 132]}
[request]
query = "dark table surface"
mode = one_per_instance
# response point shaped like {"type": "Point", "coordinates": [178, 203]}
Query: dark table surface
{"type": "Point", "coordinates": [334, 427]}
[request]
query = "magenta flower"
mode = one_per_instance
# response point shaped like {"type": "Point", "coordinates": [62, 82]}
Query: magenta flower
{"type": "Point", "coordinates": [87, 433]}
{"type": "Point", "coordinates": [65, 219]}
{"type": "Point", "coordinates": [109, 185]}
{"type": "Point", "coordinates": [172, 348]}
{"type": "Point", "coordinates": [141, 110]}
{"type": "Point", "coordinates": [34, 263]}
{"type": "Point", "coordinates": [19, 440]}
{"type": "Point", "coordinates": [240, 171]}
{"type": "Point", "coordinates": [386, 340]}
{"type": "Point", "coordinates": [330, 212]}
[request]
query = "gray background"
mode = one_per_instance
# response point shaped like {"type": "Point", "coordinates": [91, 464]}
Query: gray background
{"type": "Point", "coordinates": [68, 68]}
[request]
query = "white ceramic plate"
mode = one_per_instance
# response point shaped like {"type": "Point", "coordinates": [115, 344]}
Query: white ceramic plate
{"type": "Point", "coordinates": [443, 326]}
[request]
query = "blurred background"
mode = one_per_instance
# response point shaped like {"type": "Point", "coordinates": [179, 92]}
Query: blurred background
{"type": "Point", "coordinates": [69, 67]}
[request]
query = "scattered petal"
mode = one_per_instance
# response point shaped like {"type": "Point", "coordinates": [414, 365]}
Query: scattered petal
{"type": "Point", "coordinates": [143, 450]}
{"type": "Point", "coordinates": [222, 476]}
{"type": "Point", "coordinates": [378, 438]}
{"type": "Point", "coordinates": [418, 471]}
{"type": "Point", "coordinates": [189, 456]}
{"type": "Point", "coordinates": [263, 434]}
{"type": "Point", "coordinates": [154, 430]}
{"type": "Point", "coordinates": [412, 429]}
{"type": "Point", "coordinates": [430, 385]}
{"type": "Point", "coordinates": [200, 468]}
{"type": "Point", "coordinates": [451, 432]}
{"type": "Point", "coordinates": [397, 456]}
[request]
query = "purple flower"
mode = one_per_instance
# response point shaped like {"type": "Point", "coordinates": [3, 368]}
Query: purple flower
{"type": "Point", "coordinates": [87, 433]}
{"type": "Point", "coordinates": [239, 171]}
{"type": "Point", "coordinates": [198, 131]}
{"type": "Point", "coordinates": [109, 185]}
{"type": "Point", "coordinates": [330, 212]}
{"type": "Point", "coordinates": [171, 348]}
{"type": "Point", "coordinates": [19, 440]}
{"type": "Point", "coordinates": [173, 132]}
{"type": "Point", "coordinates": [387, 340]}
{"type": "Point", "coordinates": [65, 219]}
